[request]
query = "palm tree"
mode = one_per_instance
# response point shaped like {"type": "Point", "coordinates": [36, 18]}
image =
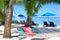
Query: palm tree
{"type": "Point", "coordinates": [31, 7]}
{"type": "Point", "coordinates": [3, 9]}
{"type": "Point", "coordinates": [7, 29]}
{"type": "Point", "coordinates": [49, 1]}
{"type": "Point", "coordinates": [0, 15]}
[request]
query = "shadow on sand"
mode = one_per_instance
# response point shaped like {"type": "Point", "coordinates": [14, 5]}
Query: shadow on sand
{"type": "Point", "coordinates": [20, 37]}
{"type": "Point", "coordinates": [38, 39]}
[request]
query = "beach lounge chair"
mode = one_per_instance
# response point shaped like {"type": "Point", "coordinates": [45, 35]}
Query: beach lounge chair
{"type": "Point", "coordinates": [33, 23]}
{"type": "Point", "coordinates": [20, 30]}
{"type": "Point", "coordinates": [25, 31]}
{"type": "Point", "coordinates": [52, 24]}
{"type": "Point", "coordinates": [28, 31]}
{"type": "Point", "coordinates": [45, 24]}
{"type": "Point", "coordinates": [35, 30]}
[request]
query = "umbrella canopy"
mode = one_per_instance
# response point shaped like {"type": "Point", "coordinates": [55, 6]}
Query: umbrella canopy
{"type": "Point", "coordinates": [35, 15]}
{"type": "Point", "coordinates": [48, 14]}
{"type": "Point", "coordinates": [21, 15]}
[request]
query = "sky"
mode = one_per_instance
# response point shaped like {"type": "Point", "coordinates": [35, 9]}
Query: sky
{"type": "Point", "coordinates": [49, 7]}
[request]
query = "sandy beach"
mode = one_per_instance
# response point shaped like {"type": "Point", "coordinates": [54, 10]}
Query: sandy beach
{"type": "Point", "coordinates": [41, 36]}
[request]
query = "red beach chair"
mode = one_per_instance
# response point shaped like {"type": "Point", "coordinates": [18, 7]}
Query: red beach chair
{"type": "Point", "coordinates": [28, 31]}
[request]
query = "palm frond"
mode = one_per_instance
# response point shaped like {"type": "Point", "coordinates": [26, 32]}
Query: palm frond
{"type": "Point", "coordinates": [20, 2]}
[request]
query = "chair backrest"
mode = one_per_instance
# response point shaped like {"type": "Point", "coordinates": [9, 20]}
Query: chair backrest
{"type": "Point", "coordinates": [52, 24]}
{"type": "Point", "coordinates": [45, 23]}
{"type": "Point", "coordinates": [33, 23]}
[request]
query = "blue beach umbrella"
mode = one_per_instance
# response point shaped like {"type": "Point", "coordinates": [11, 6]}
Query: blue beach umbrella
{"type": "Point", "coordinates": [35, 15]}
{"type": "Point", "coordinates": [20, 15]}
{"type": "Point", "coordinates": [48, 14]}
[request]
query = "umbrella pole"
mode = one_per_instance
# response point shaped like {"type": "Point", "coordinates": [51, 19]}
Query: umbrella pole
{"type": "Point", "coordinates": [48, 18]}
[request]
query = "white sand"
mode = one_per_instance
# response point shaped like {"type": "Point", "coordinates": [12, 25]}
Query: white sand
{"type": "Point", "coordinates": [15, 38]}
{"type": "Point", "coordinates": [54, 38]}
{"type": "Point", "coordinates": [39, 36]}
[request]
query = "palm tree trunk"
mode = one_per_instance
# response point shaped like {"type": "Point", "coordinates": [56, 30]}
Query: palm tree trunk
{"type": "Point", "coordinates": [7, 29]}
{"type": "Point", "coordinates": [29, 21]}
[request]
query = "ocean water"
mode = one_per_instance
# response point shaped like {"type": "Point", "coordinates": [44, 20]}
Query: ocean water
{"type": "Point", "coordinates": [40, 20]}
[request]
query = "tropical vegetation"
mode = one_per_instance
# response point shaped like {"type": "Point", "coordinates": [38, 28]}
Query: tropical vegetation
{"type": "Point", "coordinates": [31, 6]}
{"type": "Point", "coordinates": [3, 9]}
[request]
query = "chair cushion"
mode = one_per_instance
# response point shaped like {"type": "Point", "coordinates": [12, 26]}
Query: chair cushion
{"type": "Point", "coordinates": [35, 30]}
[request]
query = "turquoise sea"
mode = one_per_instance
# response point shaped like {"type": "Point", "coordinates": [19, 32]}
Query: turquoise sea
{"type": "Point", "coordinates": [39, 20]}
